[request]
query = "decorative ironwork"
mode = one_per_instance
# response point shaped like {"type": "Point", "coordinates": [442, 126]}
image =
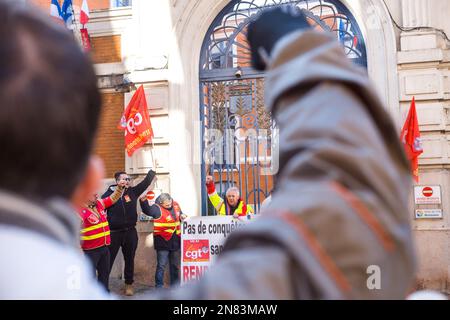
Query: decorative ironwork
{"type": "Point", "coordinates": [238, 133]}
{"type": "Point", "coordinates": [218, 106]}
{"type": "Point", "coordinates": [227, 39]}
{"type": "Point", "coordinates": [264, 117]}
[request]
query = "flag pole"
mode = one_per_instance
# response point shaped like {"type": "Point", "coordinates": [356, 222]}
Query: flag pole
{"type": "Point", "coordinates": [76, 31]}
{"type": "Point", "coordinates": [154, 162]}
{"type": "Point", "coordinates": [139, 135]}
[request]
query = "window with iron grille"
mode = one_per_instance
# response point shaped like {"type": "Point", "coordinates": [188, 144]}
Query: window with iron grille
{"type": "Point", "coordinates": [239, 137]}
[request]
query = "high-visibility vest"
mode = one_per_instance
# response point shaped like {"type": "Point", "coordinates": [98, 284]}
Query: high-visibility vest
{"type": "Point", "coordinates": [223, 208]}
{"type": "Point", "coordinates": [95, 228]}
{"type": "Point", "coordinates": [165, 226]}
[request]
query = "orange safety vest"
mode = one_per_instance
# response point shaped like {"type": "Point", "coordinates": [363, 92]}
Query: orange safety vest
{"type": "Point", "coordinates": [165, 226]}
{"type": "Point", "coordinates": [95, 228]}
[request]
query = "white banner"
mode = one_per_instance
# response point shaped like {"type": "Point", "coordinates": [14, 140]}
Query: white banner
{"type": "Point", "coordinates": [202, 240]}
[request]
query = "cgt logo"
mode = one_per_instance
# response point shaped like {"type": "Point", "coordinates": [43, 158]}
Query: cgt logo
{"type": "Point", "coordinates": [195, 250]}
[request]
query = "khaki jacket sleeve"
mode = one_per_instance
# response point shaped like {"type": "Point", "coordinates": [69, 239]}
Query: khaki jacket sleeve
{"type": "Point", "coordinates": [314, 240]}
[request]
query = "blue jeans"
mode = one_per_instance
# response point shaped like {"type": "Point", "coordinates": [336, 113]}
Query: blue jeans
{"type": "Point", "coordinates": [163, 257]}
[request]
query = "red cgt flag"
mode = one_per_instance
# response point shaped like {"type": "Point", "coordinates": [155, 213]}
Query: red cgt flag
{"type": "Point", "coordinates": [136, 122]}
{"type": "Point", "coordinates": [410, 137]}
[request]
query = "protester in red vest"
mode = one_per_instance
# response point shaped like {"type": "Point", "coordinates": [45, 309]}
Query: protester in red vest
{"type": "Point", "coordinates": [95, 234]}
{"type": "Point", "coordinates": [167, 217]}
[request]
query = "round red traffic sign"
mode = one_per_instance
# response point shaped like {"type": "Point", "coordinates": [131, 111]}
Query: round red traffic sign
{"type": "Point", "coordinates": [150, 195]}
{"type": "Point", "coordinates": [427, 192]}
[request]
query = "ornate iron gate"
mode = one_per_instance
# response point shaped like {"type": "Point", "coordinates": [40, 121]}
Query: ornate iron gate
{"type": "Point", "coordinates": [239, 137]}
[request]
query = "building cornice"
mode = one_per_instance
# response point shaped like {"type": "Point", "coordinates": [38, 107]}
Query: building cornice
{"type": "Point", "coordinates": [109, 22]}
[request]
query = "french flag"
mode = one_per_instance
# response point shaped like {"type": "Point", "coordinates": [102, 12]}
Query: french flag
{"type": "Point", "coordinates": [55, 10]}
{"type": "Point", "coordinates": [84, 13]}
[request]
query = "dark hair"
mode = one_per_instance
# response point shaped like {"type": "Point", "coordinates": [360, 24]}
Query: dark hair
{"type": "Point", "coordinates": [118, 174]}
{"type": "Point", "coordinates": [49, 105]}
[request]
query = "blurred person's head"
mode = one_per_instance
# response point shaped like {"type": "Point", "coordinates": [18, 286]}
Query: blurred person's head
{"type": "Point", "coordinates": [165, 200]}
{"type": "Point", "coordinates": [49, 109]}
{"type": "Point", "coordinates": [122, 179]}
{"type": "Point", "coordinates": [232, 196]}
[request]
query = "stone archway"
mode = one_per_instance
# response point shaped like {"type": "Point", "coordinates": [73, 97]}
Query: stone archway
{"type": "Point", "coordinates": [378, 30]}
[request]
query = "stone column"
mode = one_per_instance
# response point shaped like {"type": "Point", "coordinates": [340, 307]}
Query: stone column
{"type": "Point", "coordinates": [418, 13]}
{"type": "Point", "coordinates": [423, 74]}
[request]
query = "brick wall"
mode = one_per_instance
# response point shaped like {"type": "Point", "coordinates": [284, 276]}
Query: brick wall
{"type": "Point", "coordinates": [93, 4]}
{"type": "Point", "coordinates": [106, 49]}
{"type": "Point", "coordinates": [110, 140]}
{"type": "Point", "coordinates": [109, 143]}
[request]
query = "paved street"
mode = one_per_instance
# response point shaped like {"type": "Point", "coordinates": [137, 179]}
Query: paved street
{"type": "Point", "coordinates": [117, 287]}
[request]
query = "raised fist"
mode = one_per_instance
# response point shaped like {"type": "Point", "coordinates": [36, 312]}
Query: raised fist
{"type": "Point", "coordinates": [209, 179]}
{"type": "Point", "coordinates": [269, 27]}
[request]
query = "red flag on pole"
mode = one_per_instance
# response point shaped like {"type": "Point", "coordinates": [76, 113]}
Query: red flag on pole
{"type": "Point", "coordinates": [136, 122]}
{"type": "Point", "coordinates": [85, 39]}
{"type": "Point", "coordinates": [410, 137]}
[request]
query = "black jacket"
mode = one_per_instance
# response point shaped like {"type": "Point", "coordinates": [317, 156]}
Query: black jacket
{"type": "Point", "coordinates": [123, 214]}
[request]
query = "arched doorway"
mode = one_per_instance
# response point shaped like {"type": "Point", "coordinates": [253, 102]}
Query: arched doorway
{"type": "Point", "coordinates": [238, 136]}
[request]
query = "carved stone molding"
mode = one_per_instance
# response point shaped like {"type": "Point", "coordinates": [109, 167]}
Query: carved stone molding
{"type": "Point", "coordinates": [416, 13]}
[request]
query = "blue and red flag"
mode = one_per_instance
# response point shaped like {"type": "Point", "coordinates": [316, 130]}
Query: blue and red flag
{"type": "Point", "coordinates": [68, 14]}
{"type": "Point", "coordinates": [55, 10]}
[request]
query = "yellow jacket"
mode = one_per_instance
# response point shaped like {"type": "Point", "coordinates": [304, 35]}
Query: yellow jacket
{"type": "Point", "coordinates": [222, 207]}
